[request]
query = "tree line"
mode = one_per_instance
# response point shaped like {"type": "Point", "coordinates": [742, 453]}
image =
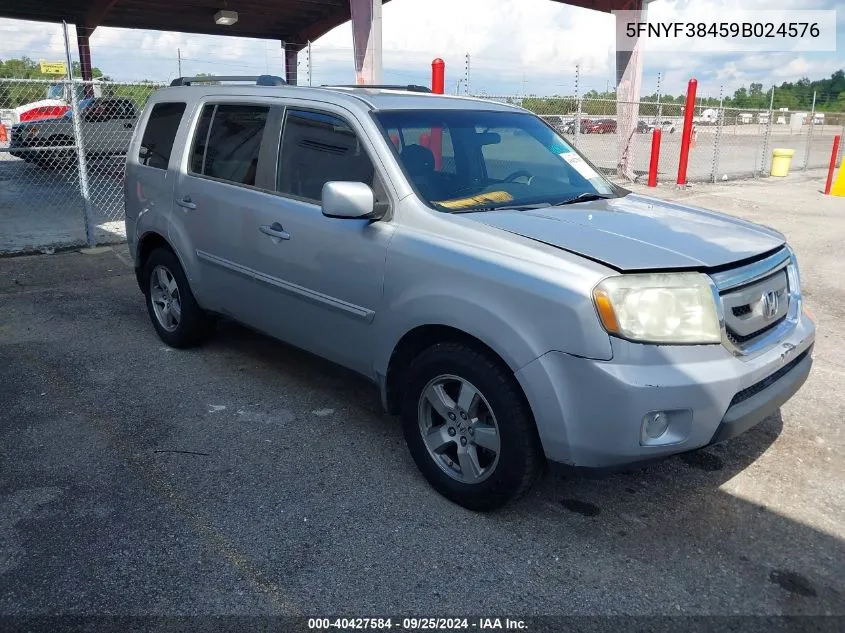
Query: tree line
{"type": "Point", "coordinates": [830, 97]}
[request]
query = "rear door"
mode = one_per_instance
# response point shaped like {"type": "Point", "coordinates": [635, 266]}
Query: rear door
{"type": "Point", "coordinates": [109, 125]}
{"type": "Point", "coordinates": [148, 183]}
{"type": "Point", "coordinates": [224, 185]}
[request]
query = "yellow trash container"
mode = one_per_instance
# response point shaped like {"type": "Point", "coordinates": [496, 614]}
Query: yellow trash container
{"type": "Point", "coordinates": [781, 160]}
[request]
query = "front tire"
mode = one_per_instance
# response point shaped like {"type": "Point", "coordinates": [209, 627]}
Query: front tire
{"type": "Point", "coordinates": [468, 427]}
{"type": "Point", "coordinates": [176, 316]}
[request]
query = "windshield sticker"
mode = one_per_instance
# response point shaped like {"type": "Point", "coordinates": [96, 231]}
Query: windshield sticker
{"type": "Point", "coordinates": [463, 203]}
{"type": "Point", "coordinates": [579, 165]}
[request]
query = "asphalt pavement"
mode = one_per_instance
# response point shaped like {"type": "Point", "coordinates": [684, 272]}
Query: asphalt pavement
{"type": "Point", "coordinates": [248, 478]}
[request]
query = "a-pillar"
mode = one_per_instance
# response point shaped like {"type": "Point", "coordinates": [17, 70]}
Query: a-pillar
{"type": "Point", "coordinates": [629, 78]}
{"type": "Point", "coordinates": [291, 51]}
{"type": "Point", "coordinates": [366, 40]}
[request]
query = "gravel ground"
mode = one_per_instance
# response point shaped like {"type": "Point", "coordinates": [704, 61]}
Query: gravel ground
{"type": "Point", "coordinates": [248, 478]}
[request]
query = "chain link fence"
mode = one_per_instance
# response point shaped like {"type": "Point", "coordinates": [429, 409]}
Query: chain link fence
{"type": "Point", "coordinates": [62, 152]}
{"type": "Point", "coordinates": [63, 146]}
{"type": "Point", "coordinates": [726, 143]}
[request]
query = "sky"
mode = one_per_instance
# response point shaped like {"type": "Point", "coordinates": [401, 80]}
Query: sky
{"type": "Point", "coordinates": [514, 47]}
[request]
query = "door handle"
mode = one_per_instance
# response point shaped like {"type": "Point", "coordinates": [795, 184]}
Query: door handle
{"type": "Point", "coordinates": [186, 202]}
{"type": "Point", "coordinates": [275, 230]}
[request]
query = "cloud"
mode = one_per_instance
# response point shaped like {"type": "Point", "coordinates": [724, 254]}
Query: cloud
{"type": "Point", "coordinates": [515, 46]}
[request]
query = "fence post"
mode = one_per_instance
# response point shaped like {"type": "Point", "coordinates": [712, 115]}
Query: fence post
{"type": "Point", "coordinates": [466, 76]}
{"type": "Point", "coordinates": [841, 146]}
{"type": "Point", "coordinates": [810, 133]}
{"type": "Point", "coordinates": [717, 142]}
{"type": "Point", "coordinates": [659, 113]}
{"type": "Point", "coordinates": [577, 127]}
{"type": "Point", "coordinates": [308, 67]}
{"type": "Point", "coordinates": [87, 210]}
{"type": "Point", "coordinates": [689, 111]}
{"type": "Point", "coordinates": [768, 136]}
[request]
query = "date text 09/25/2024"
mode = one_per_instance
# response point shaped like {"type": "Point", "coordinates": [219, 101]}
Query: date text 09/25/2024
{"type": "Point", "coordinates": [417, 624]}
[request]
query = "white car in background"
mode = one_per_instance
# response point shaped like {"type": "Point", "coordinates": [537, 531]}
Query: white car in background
{"type": "Point", "coordinates": [666, 126]}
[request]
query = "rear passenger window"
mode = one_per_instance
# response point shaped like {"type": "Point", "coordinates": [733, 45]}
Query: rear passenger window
{"type": "Point", "coordinates": [227, 142]}
{"type": "Point", "coordinates": [201, 139]}
{"type": "Point", "coordinates": [157, 143]}
{"type": "Point", "coordinates": [318, 148]}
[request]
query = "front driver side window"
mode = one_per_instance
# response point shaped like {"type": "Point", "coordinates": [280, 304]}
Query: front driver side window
{"type": "Point", "coordinates": [318, 148]}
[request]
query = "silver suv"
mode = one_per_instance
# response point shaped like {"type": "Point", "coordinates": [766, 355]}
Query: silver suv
{"type": "Point", "coordinates": [514, 306]}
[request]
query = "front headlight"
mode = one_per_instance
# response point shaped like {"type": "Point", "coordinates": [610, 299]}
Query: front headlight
{"type": "Point", "coordinates": [659, 308]}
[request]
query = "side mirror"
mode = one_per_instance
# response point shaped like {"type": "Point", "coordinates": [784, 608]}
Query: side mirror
{"type": "Point", "coordinates": [349, 200]}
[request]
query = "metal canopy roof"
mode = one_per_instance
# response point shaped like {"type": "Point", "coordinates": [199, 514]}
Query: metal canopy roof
{"type": "Point", "coordinates": [292, 21]}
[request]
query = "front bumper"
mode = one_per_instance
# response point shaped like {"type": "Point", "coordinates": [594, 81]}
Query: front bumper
{"type": "Point", "coordinates": [589, 413]}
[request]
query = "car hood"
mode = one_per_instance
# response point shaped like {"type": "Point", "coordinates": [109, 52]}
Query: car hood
{"type": "Point", "coordinates": [639, 233]}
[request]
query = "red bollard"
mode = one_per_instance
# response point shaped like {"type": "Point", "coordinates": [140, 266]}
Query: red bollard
{"type": "Point", "coordinates": [655, 158]}
{"type": "Point", "coordinates": [832, 167]}
{"type": "Point", "coordinates": [687, 132]}
{"type": "Point", "coordinates": [438, 83]}
{"type": "Point", "coordinates": [438, 76]}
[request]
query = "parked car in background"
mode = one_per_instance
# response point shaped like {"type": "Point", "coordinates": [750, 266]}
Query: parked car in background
{"type": "Point", "coordinates": [642, 127]}
{"type": "Point", "coordinates": [569, 128]}
{"type": "Point", "coordinates": [106, 123]}
{"type": "Point", "coordinates": [558, 122]}
{"type": "Point", "coordinates": [602, 126]}
{"type": "Point", "coordinates": [666, 126]}
{"type": "Point", "coordinates": [56, 102]}
{"type": "Point", "coordinates": [512, 305]}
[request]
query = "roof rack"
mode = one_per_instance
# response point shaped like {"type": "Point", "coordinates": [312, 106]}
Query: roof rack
{"type": "Point", "coordinates": [409, 87]}
{"type": "Point", "coordinates": [259, 80]}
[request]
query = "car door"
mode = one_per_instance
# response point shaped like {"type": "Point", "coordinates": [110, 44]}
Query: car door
{"type": "Point", "coordinates": [322, 277]}
{"type": "Point", "coordinates": [219, 197]}
{"type": "Point", "coordinates": [95, 128]}
{"type": "Point", "coordinates": [125, 117]}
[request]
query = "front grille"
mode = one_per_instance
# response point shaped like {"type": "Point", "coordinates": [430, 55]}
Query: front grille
{"type": "Point", "coordinates": [756, 307]}
{"type": "Point", "coordinates": [768, 381]}
{"type": "Point", "coordinates": [737, 339]}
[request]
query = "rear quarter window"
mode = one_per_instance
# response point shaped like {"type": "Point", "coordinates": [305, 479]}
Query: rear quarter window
{"type": "Point", "coordinates": [157, 142]}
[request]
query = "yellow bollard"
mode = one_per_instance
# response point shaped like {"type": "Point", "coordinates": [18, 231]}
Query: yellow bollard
{"type": "Point", "coordinates": [839, 184]}
{"type": "Point", "coordinates": [781, 160]}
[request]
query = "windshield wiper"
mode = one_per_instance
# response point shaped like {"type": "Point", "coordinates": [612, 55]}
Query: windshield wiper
{"type": "Point", "coordinates": [584, 197]}
{"type": "Point", "coordinates": [503, 207]}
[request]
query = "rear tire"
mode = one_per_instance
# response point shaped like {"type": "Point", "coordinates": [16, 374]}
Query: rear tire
{"type": "Point", "coordinates": [460, 457]}
{"type": "Point", "coordinates": [176, 316]}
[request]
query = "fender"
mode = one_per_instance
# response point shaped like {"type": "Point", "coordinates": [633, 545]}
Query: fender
{"type": "Point", "coordinates": [517, 330]}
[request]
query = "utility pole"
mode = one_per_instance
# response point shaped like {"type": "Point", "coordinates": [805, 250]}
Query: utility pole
{"type": "Point", "coordinates": [179, 57]}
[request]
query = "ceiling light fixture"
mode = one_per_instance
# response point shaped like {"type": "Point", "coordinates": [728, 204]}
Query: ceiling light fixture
{"type": "Point", "coordinates": [225, 18]}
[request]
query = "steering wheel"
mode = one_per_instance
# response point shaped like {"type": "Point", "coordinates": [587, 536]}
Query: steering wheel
{"type": "Point", "coordinates": [521, 173]}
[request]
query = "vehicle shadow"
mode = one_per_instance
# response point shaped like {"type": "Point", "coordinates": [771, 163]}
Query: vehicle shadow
{"type": "Point", "coordinates": [696, 519]}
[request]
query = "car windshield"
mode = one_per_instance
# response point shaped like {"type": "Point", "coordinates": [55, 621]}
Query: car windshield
{"type": "Point", "coordinates": [469, 160]}
{"type": "Point", "coordinates": [82, 105]}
